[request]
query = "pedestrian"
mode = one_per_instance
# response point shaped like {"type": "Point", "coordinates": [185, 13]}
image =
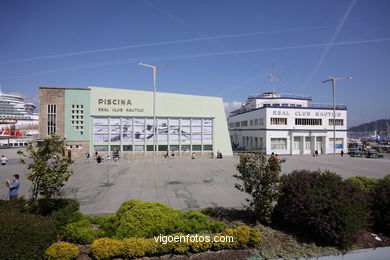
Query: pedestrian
{"type": "Point", "coordinates": [13, 187]}
{"type": "Point", "coordinates": [4, 160]}
{"type": "Point", "coordinates": [88, 157]}
{"type": "Point", "coordinates": [212, 155]}
{"type": "Point", "coordinates": [193, 155]}
{"type": "Point", "coordinates": [173, 154]}
{"type": "Point", "coordinates": [276, 158]}
{"type": "Point", "coordinates": [99, 159]}
{"type": "Point", "coordinates": [108, 158]}
{"type": "Point", "coordinates": [316, 152]}
{"type": "Point", "coordinates": [342, 153]}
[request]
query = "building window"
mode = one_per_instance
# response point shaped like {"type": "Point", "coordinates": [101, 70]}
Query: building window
{"type": "Point", "coordinates": [339, 122]}
{"type": "Point", "coordinates": [251, 123]}
{"type": "Point", "coordinates": [237, 124]}
{"type": "Point", "coordinates": [196, 148]}
{"type": "Point", "coordinates": [256, 121]}
{"type": "Point", "coordinates": [278, 121]}
{"type": "Point", "coordinates": [261, 121]}
{"type": "Point", "coordinates": [51, 119]}
{"type": "Point", "coordinates": [244, 123]}
{"type": "Point", "coordinates": [207, 147]}
{"type": "Point", "coordinates": [279, 143]}
{"type": "Point", "coordinates": [284, 105]}
{"type": "Point", "coordinates": [308, 121]}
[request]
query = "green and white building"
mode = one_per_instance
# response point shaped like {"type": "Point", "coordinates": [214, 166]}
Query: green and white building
{"type": "Point", "coordinates": [107, 120]}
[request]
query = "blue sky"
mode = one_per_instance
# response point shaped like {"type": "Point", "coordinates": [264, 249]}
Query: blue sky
{"type": "Point", "coordinates": [218, 48]}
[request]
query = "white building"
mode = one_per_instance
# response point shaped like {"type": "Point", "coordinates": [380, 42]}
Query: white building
{"type": "Point", "coordinates": [287, 124]}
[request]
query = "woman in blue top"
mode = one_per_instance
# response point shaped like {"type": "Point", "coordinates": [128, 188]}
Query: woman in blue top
{"type": "Point", "coordinates": [13, 187]}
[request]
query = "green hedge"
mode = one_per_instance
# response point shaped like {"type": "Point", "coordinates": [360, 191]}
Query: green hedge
{"type": "Point", "coordinates": [147, 219]}
{"type": "Point", "coordinates": [80, 232]}
{"type": "Point", "coordinates": [25, 236]}
{"type": "Point", "coordinates": [107, 248]}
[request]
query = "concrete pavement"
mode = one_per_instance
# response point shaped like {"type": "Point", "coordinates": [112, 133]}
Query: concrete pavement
{"type": "Point", "coordinates": [180, 183]}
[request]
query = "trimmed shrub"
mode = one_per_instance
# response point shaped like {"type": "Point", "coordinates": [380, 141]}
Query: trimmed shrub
{"type": "Point", "coordinates": [139, 247]}
{"type": "Point", "coordinates": [259, 177]}
{"type": "Point", "coordinates": [147, 219]}
{"type": "Point", "coordinates": [80, 232]}
{"type": "Point", "coordinates": [106, 248]}
{"type": "Point", "coordinates": [363, 184]}
{"type": "Point", "coordinates": [381, 204]}
{"type": "Point", "coordinates": [194, 222]}
{"type": "Point", "coordinates": [322, 204]}
{"type": "Point", "coordinates": [25, 236]}
{"type": "Point", "coordinates": [16, 205]}
{"type": "Point", "coordinates": [107, 224]}
{"type": "Point", "coordinates": [62, 251]}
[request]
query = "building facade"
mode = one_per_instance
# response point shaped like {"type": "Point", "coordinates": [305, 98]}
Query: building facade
{"type": "Point", "coordinates": [108, 121]}
{"type": "Point", "coordinates": [287, 124]}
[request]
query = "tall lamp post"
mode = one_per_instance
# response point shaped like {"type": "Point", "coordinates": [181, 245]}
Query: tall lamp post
{"type": "Point", "coordinates": [333, 79]}
{"type": "Point", "coordinates": [154, 68]}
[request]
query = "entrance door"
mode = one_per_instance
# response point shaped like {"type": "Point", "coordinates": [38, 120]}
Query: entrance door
{"type": "Point", "coordinates": [319, 144]}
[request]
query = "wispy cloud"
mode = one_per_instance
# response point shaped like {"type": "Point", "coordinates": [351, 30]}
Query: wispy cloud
{"type": "Point", "coordinates": [331, 43]}
{"type": "Point", "coordinates": [201, 55]}
{"type": "Point", "coordinates": [230, 106]}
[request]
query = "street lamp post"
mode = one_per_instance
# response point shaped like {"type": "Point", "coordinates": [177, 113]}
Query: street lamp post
{"type": "Point", "coordinates": [154, 68]}
{"type": "Point", "coordinates": [333, 79]}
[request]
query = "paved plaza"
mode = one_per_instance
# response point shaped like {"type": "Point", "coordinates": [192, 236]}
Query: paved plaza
{"type": "Point", "coordinates": [180, 183]}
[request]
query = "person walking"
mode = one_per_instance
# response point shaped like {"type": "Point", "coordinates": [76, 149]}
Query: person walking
{"type": "Point", "coordinates": [3, 160]}
{"type": "Point", "coordinates": [342, 153]}
{"type": "Point", "coordinates": [13, 187]}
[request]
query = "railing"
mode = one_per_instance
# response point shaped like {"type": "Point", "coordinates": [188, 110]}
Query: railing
{"type": "Point", "coordinates": [294, 96]}
{"type": "Point", "coordinates": [321, 105]}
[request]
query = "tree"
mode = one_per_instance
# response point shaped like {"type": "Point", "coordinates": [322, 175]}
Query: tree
{"type": "Point", "coordinates": [48, 165]}
{"type": "Point", "coordinates": [260, 179]}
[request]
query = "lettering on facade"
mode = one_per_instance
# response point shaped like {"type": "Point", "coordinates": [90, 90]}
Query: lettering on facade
{"type": "Point", "coordinates": [304, 113]}
{"type": "Point", "coordinates": [121, 105]}
{"type": "Point", "coordinates": [117, 102]}
{"type": "Point", "coordinates": [281, 113]}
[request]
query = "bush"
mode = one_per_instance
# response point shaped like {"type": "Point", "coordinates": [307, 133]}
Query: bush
{"type": "Point", "coordinates": [363, 184]}
{"type": "Point", "coordinates": [106, 248]}
{"type": "Point", "coordinates": [260, 178]}
{"type": "Point", "coordinates": [16, 205]}
{"type": "Point", "coordinates": [211, 212]}
{"type": "Point", "coordinates": [107, 224]}
{"type": "Point", "coordinates": [80, 232]}
{"type": "Point", "coordinates": [323, 205]}
{"type": "Point", "coordinates": [62, 251]}
{"type": "Point", "coordinates": [46, 207]}
{"type": "Point", "coordinates": [381, 204]}
{"type": "Point", "coordinates": [25, 236]}
{"type": "Point", "coordinates": [139, 247]}
{"type": "Point", "coordinates": [194, 222]}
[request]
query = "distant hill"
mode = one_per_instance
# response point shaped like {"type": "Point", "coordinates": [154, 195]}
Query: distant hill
{"type": "Point", "coordinates": [379, 125]}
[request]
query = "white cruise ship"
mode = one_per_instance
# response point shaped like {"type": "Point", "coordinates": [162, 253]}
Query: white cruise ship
{"type": "Point", "coordinates": [18, 121]}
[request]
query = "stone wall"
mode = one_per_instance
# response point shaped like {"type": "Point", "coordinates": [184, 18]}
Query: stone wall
{"type": "Point", "coordinates": [48, 96]}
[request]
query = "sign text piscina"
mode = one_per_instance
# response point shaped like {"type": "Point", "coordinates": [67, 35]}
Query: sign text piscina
{"type": "Point", "coordinates": [121, 105]}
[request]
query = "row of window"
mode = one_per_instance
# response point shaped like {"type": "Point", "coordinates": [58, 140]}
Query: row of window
{"type": "Point", "coordinates": [283, 121]}
{"type": "Point", "coordinates": [138, 130]}
{"type": "Point", "coordinates": [308, 121]}
{"type": "Point", "coordinates": [252, 122]}
{"type": "Point", "coordinates": [149, 148]}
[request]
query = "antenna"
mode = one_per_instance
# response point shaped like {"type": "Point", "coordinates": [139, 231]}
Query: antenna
{"type": "Point", "coordinates": [272, 77]}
